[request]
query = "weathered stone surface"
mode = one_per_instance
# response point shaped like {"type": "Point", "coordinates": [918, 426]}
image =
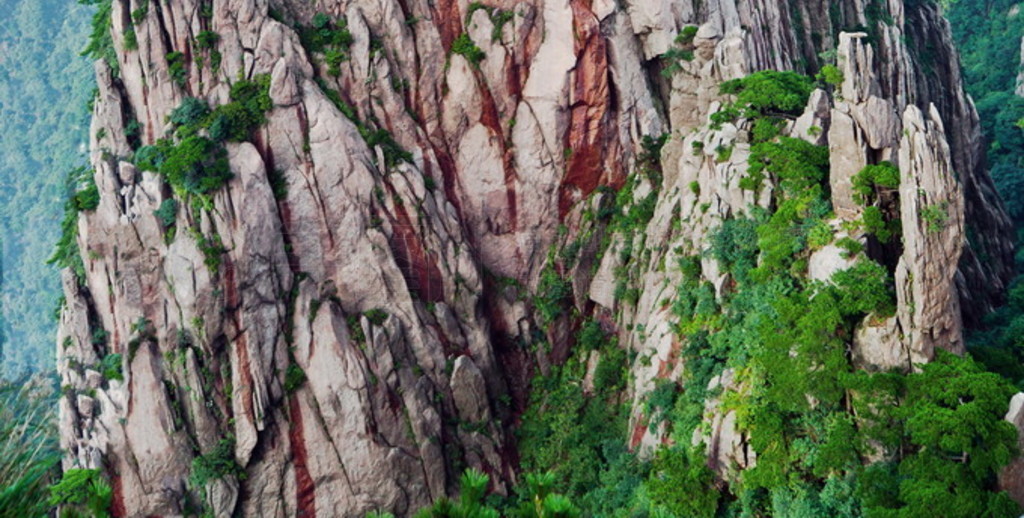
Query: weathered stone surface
{"type": "Point", "coordinates": [931, 209]}
{"type": "Point", "coordinates": [335, 309]}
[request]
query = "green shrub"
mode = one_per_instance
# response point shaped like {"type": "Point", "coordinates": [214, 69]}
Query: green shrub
{"type": "Point", "coordinates": [167, 213]}
{"type": "Point", "coordinates": [956, 443]}
{"type": "Point", "coordinates": [734, 246]}
{"type": "Point", "coordinates": [770, 92]}
{"type": "Point", "coordinates": [612, 370]}
{"type": "Point", "coordinates": [196, 165]}
{"type": "Point", "coordinates": [325, 33]}
{"type": "Point", "coordinates": [464, 46]}
{"type": "Point", "coordinates": [131, 42]}
{"type": "Point", "coordinates": [191, 112]}
{"type": "Point", "coordinates": [110, 367]}
{"type": "Point", "coordinates": [868, 180]}
{"type": "Point", "coordinates": [84, 491]}
{"type": "Point", "coordinates": [682, 484]}
{"type": "Point", "coordinates": [553, 295]}
{"type": "Point", "coordinates": [176, 67]}
{"type": "Point", "coordinates": [376, 316]}
{"type": "Point", "coordinates": [87, 199]}
{"type": "Point", "coordinates": [294, 378]}
{"type": "Point", "coordinates": [851, 246]}
{"type": "Point", "coordinates": [660, 402]}
{"type": "Point", "coordinates": [685, 37]}
{"type": "Point", "coordinates": [139, 15]}
{"type": "Point", "coordinates": [796, 163]}
{"type": "Point", "coordinates": [819, 235]}
{"type": "Point", "coordinates": [865, 288]}
{"type": "Point", "coordinates": [235, 121]}
{"type": "Point", "coordinates": [876, 224]}
{"type": "Point", "coordinates": [207, 40]}
{"type": "Point", "coordinates": [66, 253]}
{"type": "Point", "coordinates": [830, 74]}
{"type": "Point", "coordinates": [218, 463]}
{"type": "Point", "coordinates": [101, 43]}
{"type": "Point", "coordinates": [935, 216]}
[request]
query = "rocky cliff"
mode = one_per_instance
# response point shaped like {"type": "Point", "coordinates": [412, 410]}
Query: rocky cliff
{"type": "Point", "coordinates": [331, 234]}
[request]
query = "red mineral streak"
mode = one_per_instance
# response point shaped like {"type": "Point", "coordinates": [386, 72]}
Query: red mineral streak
{"type": "Point", "coordinates": [417, 265]}
{"type": "Point", "coordinates": [595, 152]}
{"type": "Point", "coordinates": [305, 489]}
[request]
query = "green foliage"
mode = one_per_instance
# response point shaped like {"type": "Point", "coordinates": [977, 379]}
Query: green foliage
{"type": "Point", "coordinates": [131, 42]}
{"type": "Point", "coordinates": [660, 401]}
{"type": "Point", "coordinates": [191, 112]}
{"type": "Point", "coordinates": [999, 345]}
{"type": "Point", "coordinates": [554, 294]}
{"type": "Point", "coordinates": [686, 36]}
{"type": "Point", "coordinates": [682, 484]}
{"type": "Point", "coordinates": [110, 367]}
{"type": "Point", "coordinates": [167, 213]}
{"type": "Point", "coordinates": [770, 92]}
{"type": "Point", "coordinates": [796, 164]}
{"type": "Point", "coordinates": [734, 246]}
{"type": "Point", "coordinates": [830, 74]}
{"type": "Point", "coordinates": [987, 39]}
{"type": "Point", "coordinates": [935, 217]}
{"type": "Point", "coordinates": [139, 15]}
{"type": "Point", "coordinates": [579, 440]}
{"type": "Point", "coordinates": [464, 46]}
{"type": "Point", "coordinates": [471, 501]}
{"type": "Point", "coordinates": [876, 223]}
{"type": "Point", "coordinates": [88, 198]}
{"type": "Point", "coordinates": [196, 165]}
{"type": "Point", "coordinates": [176, 67]}
{"type": "Point", "coordinates": [864, 288]}
{"type": "Point", "coordinates": [236, 120]}
{"type": "Point", "coordinates": [218, 463]}
{"type": "Point", "coordinates": [212, 249]}
{"type": "Point", "coordinates": [612, 371]}
{"type": "Point", "coordinates": [66, 253]}
{"type": "Point", "coordinates": [326, 32]}
{"type": "Point", "coordinates": [376, 316]}
{"type": "Point", "coordinates": [28, 447]}
{"type": "Point", "coordinates": [101, 43]}
{"type": "Point", "coordinates": [869, 180]}
{"type": "Point", "coordinates": [294, 378]}
{"type": "Point", "coordinates": [682, 51]}
{"type": "Point", "coordinates": [82, 491]}
{"type": "Point", "coordinates": [812, 418]}
{"type": "Point", "coordinates": [207, 40]}
{"type": "Point", "coordinates": [330, 37]}
{"type": "Point", "coordinates": [956, 442]}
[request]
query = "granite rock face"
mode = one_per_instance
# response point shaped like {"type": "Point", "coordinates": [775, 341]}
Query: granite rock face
{"type": "Point", "coordinates": [336, 319]}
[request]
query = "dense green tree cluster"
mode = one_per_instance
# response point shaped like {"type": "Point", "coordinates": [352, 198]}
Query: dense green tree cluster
{"type": "Point", "coordinates": [194, 161]}
{"type": "Point", "coordinates": [831, 439]}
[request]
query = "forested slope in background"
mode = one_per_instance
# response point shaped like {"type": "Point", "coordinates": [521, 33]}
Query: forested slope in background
{"type": "Point", "coordinates": [988, 35]}
{"type": "Point", "coordinates": [44, 88]}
